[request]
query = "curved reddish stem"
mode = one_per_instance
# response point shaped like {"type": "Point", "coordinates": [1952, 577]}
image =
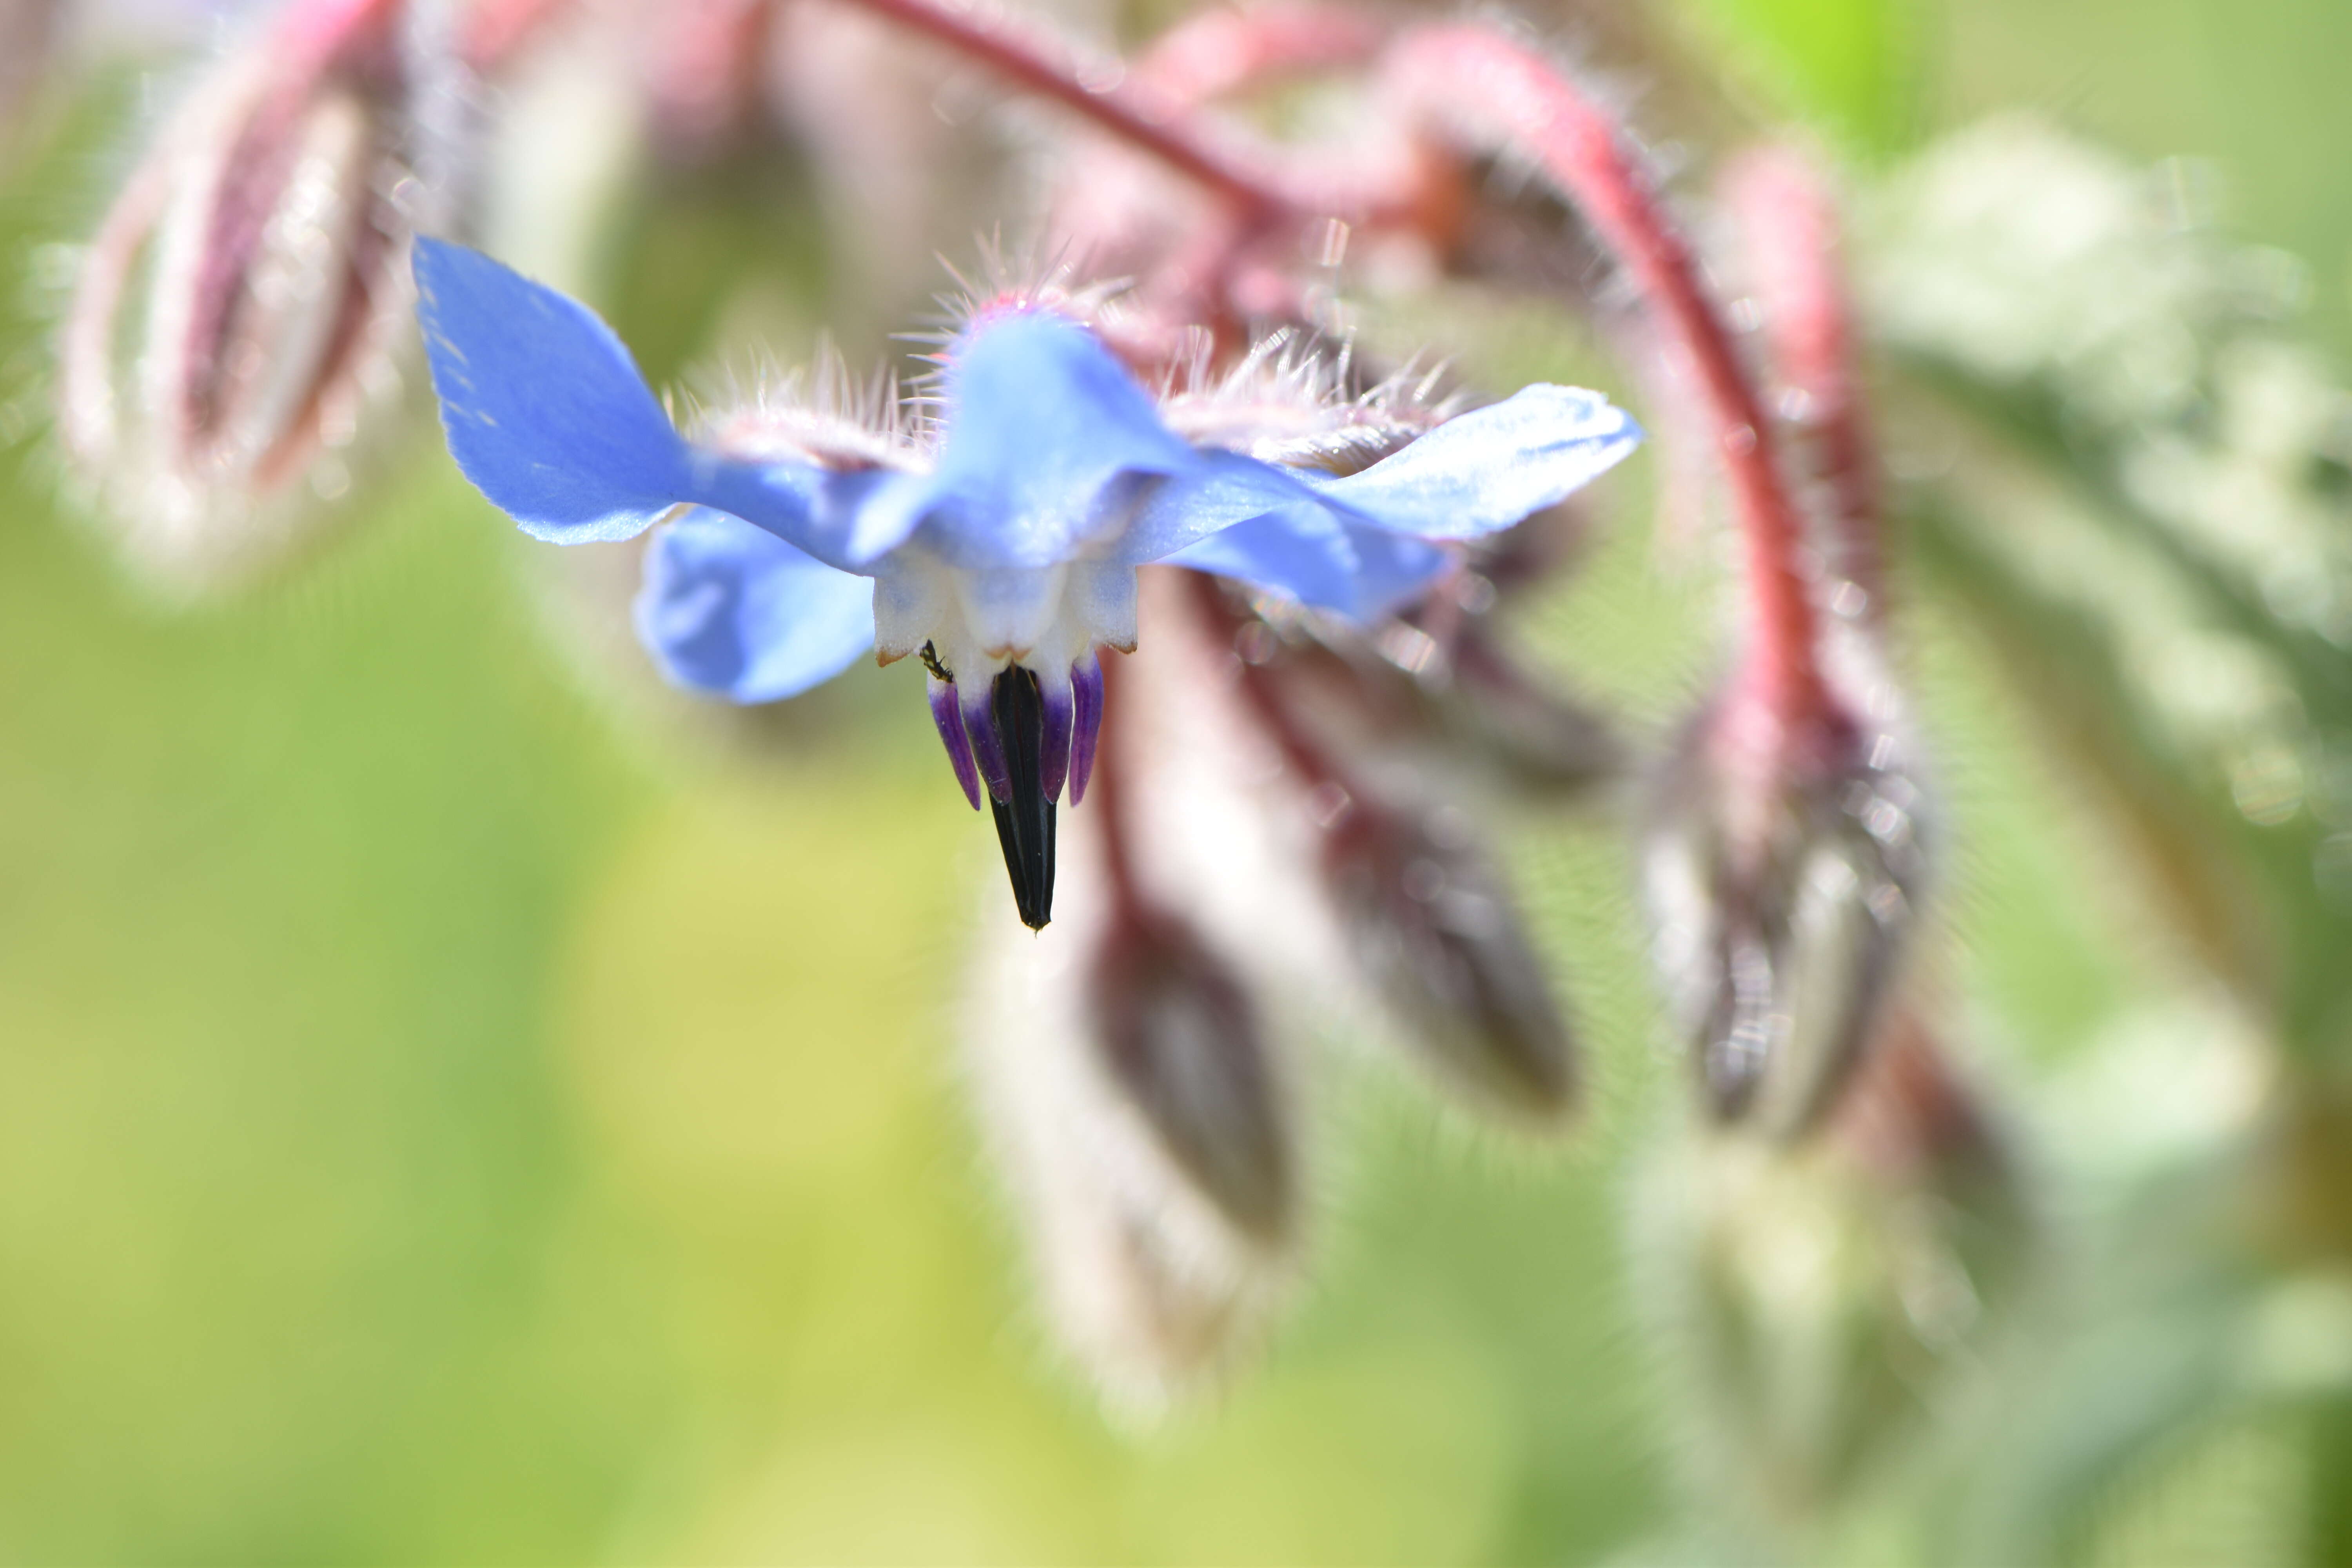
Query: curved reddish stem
{"type": "Point", "coordinates": [1788, 221]}
{"type": "Point", "coordinates": [1481, 86]}
{"type": "Point", "coordinates": [1127, 109]}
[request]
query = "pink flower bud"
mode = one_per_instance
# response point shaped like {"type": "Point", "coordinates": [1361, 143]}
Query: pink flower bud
{"type": "Point", "coordinates": [237, 313]}
{"type": "Point", "coordinates": [1783, 884]}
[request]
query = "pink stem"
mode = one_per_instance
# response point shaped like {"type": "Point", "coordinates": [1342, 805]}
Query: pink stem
{"type": "Point", "coordinates": [1788, 220]}
{"type": "Point", "coordinates": [1126, 109]}
{"type": "Point", "coordinates": [1219, 54]}
{"type": "Point", "coordinates": [1488, 88]}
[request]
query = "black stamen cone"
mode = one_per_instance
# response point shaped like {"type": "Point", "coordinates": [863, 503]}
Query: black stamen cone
{"type": "Point", "coordinates": [1024, 824]}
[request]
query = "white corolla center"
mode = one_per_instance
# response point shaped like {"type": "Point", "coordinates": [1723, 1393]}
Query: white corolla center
{"type": "Point", "coordinates": [977, 622]}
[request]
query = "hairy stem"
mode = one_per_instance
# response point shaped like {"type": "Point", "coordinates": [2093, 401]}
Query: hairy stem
{"type": "Point", "coordinates": [1789, 231]}
{"type": "Point", "coordinates": [1105, 95]}
{"type": "Point", "coordinates": [1476, 86]}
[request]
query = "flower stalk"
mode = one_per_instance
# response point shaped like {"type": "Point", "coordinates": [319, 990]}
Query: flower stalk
{"type": "Point", "coordinates": [1479, 88]}
{"type": "Point", "coordinates": [1786, 215]}
{"type": "Point", "coordinates": [1102, 93]}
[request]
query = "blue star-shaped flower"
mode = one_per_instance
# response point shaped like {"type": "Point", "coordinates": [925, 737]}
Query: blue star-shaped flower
{"type": "Point", "coordinates": [1003, 549]}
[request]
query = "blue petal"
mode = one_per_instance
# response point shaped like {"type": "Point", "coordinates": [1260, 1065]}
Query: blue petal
{"type": "Point", "coordinates": [1487, 470]}
{"type": "Point", "coordinates": [1359, 545]}
{"type": "Point", "coordinates": [545, 409]}
{"type": "Point", "coordinates": [1220, 491]}
{"type": "Point", "coordinates": [547, 415]}
{"type": "Point", "coordinates": [731, 609]}
{"type": "Point", "coordinates": [1320, 557]}
{"type": "Point", "coordinates": [1273, 529]}
{"type": "Point", "coordinates": [1300, 552]}
{"type": "Point", "coordinates": [1393, 570]}
{"type": "Point", "coordinates": [1050, 446]}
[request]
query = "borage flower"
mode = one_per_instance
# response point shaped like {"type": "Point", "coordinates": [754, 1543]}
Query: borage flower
{"type": "Point", "coordinates": [997, 535]}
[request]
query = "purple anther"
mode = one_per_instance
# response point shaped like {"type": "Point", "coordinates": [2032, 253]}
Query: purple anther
{"type": "Point", "coordinates": [1087, 688]}
{"type": "Point", "coordinates": [1054, 766]}
{"type": "Point", "coordinates": [987, 746]}
{"type": "Point", "coordinates": [952, 734]}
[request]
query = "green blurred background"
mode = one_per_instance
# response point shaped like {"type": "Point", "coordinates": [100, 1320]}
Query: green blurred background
{"type": "Point", "coordinates": [447, 1116]}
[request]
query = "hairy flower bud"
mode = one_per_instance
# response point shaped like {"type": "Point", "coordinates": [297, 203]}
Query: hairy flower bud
{"type": "Point", "coordinates": [1426, 924]}
{"type": "Point", "coordinates": [1146, 1124]}
{"type": "Point", "coordinates": [1542, 740]}
{"type": "Point", "coordinates": [1819, 1299]}
{"type": "Point", "coordinates": [1181, 1036]}
{"type": "Point", "coordinates": [1782, 890]}
{"type": "Point", "coordinates": [239, 311]}
{"type": "Point", "coordinates": [1436, 934]}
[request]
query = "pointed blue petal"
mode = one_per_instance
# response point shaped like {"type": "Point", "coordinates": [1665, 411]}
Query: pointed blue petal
{"type": "Point", "coordinates": [1300, 552]}
{"type": "Point", "coordinates": [1220, 489]}
{"type": "Point", "coordinates": [1321, 558]}
{"type": "Point", "coordinates": [1050, 446]}
{"type": "Point", "coordinates": [547, 415]}
{"type": "Point", "coordinates": [1393, 570]}
{"type": "Point", "coordinates": [1488, 468]}
{"type": "Point", "coordinates": [1359, 545]}
{"type": "Point", "coordinates": [545, 409]}
{"type": "Point", "coordinates": [831, 514]}
{"type": "Point", "coordinates": [731, 609]}
{"type": "Point", "coordinates": [1268, 527]}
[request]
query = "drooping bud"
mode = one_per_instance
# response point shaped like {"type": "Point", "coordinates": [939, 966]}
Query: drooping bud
{"type": "Point", "coordinates": [1438, 937]}
{"type": "Point", "coordinates": [1430, 689]}
{"type": "Point", "coordinates": [1542, 740]}
{"type": "Point", "coordinates": [1782, 883]}
{"type": "Point", "coordinates": [1431, 929]}
{"type": "Point", "coordinates": [212, 409]}
{"type": "Point", "coordinates": [1147, 1125]}
{"type": "Point", "coordinates": [1821, 1301]}
{"type": "Point", "coordinates": [1181, 1038]}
